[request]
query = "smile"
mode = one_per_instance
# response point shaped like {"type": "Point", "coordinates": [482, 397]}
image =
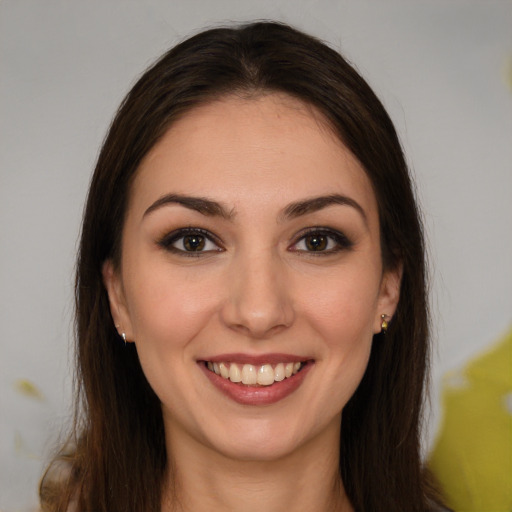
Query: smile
{"type": "Point", "coordinates": [256, 380]}
{"type": "Point", "coordinates": [255, 375]}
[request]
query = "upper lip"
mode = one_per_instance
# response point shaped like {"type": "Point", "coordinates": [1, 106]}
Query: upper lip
{"type": "Point", "coordinates": [256, 360]}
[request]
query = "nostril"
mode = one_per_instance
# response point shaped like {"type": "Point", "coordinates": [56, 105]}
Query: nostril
{"type": "Point", "coordinates": [259, 330]}
{"type": "Point", "coordinates": [258, 302]}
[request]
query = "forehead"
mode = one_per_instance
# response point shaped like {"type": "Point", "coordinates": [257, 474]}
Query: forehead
{"type": "Point", "coordinates": [269, 146]}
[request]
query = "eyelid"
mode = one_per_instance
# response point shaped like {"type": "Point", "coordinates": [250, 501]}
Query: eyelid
{"type": "Point", "coordinates": [167, 241]}
{"type": "Point", "coordinates": [341, 240]}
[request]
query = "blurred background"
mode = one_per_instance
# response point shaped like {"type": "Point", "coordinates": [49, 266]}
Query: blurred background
{"type": "Point", "coordinates": [443, 70]}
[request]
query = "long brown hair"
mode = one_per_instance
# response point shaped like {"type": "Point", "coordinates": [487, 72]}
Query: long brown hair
{"type": "Point", "coordinates": [117, 460]}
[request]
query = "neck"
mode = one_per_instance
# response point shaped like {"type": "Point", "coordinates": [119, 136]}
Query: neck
{"type": "Point", "coordinates": [204, 480]}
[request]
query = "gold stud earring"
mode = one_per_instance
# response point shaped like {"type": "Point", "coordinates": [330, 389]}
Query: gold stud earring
{"type": "Point", "coordinates": [384, 323]}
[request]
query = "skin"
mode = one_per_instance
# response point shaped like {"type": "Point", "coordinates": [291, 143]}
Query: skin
{"type": "Point", "coordinates": [256, 288]}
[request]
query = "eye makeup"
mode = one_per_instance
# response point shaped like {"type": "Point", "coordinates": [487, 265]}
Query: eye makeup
{"type": "Point", "coordinates": [190, 242]}
{"type": "Point", "coordinates": [319, 241]}
{"type": "Point", "coordinates": [195, 242]}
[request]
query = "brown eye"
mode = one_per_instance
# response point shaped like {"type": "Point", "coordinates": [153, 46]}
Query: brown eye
{"type": "Point", "coordinates": [190, 242]}
{"type": "Point", "coordinates": [194, 243]}
{"type": "Point", "coordinates": [322, 241]}
{"type": "Point", "coordinates": [316, 242]}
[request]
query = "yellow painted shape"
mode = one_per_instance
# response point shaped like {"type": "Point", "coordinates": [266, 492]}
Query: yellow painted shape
{"type": "Point", "coordinates": [472, 457]}
{"type": "Point", "coordinates": [28, 389]}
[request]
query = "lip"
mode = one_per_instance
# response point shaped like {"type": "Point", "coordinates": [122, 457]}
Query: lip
{"type": "Point", "coordinates": [253, 395]}
{"type": "Point", "coordinates": [256, 360]}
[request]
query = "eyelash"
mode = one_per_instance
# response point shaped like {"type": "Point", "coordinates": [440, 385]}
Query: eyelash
{"type": "Point", "coordinates": [341, 242]}
{"type": "Point", "coordinates": [168, 240]}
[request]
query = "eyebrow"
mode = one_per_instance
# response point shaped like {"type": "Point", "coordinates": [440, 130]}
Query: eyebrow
{"type": "Point", "coordinates": [296, 209]}
{"type": "Point", "coordinates": [315, 204]}
{"type": "Point", "coordinates": [199, 204]}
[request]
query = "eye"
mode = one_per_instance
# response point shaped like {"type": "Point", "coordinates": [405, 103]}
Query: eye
{"type": "Point", "coordinates": [321, 240]}
{"type": "Point", "coordinates": [190, 242]}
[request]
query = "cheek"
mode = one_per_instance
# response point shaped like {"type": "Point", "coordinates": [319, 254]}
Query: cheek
{"type": "Point", "coordinates": [168, 307]}
{"type": "Point", "coordinates": [168, 310]}
{"type": "Point", "coordinates": [341, 312]}
{"type": "Point", "coordinates": [343, 307]}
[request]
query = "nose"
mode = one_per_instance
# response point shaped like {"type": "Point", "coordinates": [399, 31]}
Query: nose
{"type": "Point", "coordinates": [259, 303]}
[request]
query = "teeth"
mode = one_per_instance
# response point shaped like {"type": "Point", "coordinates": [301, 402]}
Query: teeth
{"type": "Point", "coordinates": [250, 375]}
{"type": "Point", "coordinates": [265, 375]}
{"type": "Point", "coordinates": [279, 374]}
{"type": "Point", "coordinates": [235, 375]}
{"type": "Point", "coordinates": [224, 370]}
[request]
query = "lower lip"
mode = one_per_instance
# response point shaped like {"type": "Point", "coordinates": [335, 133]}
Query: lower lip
{"type": "Point", "coordinates": [254, 395]}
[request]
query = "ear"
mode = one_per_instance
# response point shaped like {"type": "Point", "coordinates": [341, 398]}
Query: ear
{"type": "Point", "coordinates": [388, 296]}
{"type": "Point", "coordinates": [116, 297]}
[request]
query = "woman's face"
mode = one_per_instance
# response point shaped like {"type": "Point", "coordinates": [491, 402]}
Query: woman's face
{"type": "Point", "coordinates": [251, 248]}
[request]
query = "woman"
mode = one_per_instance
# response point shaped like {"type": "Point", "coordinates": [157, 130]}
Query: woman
{"type": "Point", "coordinates": [250, 294]}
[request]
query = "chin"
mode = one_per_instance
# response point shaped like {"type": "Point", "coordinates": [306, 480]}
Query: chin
{"type": "Point", "coordinates": [258, 449]}
{"type": "Point", "coordinates": [267, 441]}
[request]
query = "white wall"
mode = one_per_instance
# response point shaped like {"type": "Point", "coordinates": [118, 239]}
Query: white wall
{"type": "Point", "coordinates": [442, 68]}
